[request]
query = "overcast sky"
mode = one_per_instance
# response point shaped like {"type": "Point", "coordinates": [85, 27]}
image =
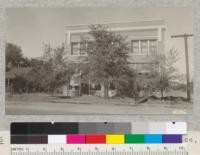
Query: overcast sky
{"type": "Point", "coordinates": [29, 27]}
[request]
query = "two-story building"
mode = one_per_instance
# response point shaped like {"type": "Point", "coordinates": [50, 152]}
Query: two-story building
{"type": "Point", "coordinates": [145, 38]}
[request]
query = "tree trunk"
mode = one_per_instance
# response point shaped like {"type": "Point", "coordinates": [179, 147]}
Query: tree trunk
{"type": "Point", "coordinates": [27, 87]}
{"type": "Point", "coordinates": [48, 89]}
{"type": "Point", "coordinates": [162, 93]}
{"type": "Point", "coordinates": [52, 92]}
{"type": "Point", "coordinates": [80, 89]}
{"type": "Point", "coordinates": [11, 87]}
{"type": "Point", "coordinates": [106, 89]}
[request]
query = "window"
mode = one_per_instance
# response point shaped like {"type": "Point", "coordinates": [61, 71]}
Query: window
{"type": "Point", "coordinates": [89, 46]}
{"type": "Point", "coordinates": [152, 46]}
{"type": "Point", "coordinates": [83, 48]}
{"type": "Point", "coordinates": [144, 46]}
{"type": "Point", "coordinates": [135, 47]}
{"type": "Point", "coordinates": [75, 48]}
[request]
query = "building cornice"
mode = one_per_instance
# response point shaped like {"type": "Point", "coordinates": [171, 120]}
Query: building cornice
{"type": "Point", "coordinates": [115, 23]}
{"type": "Point", "coordinates": [119, 29]}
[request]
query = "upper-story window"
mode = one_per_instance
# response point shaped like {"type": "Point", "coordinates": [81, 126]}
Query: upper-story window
{"type": "Point", "coordinates": [83, 48]}
{"type": "Point", "coordinates": [80, 48]}
{"type": "Point", "coordinates": [135, 47]}
{"type": "Point", "coordinates": [89, 46]}
{"type": "Point", "coordinates": [144, 47]}
{"type": "Point", "coordinates": [153, 46]}
{"type": "Point", "coordinates": [75, 48]}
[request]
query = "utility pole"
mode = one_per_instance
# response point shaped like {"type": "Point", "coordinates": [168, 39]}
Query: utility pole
{"type": "Point", "coordinates": [185, 37]}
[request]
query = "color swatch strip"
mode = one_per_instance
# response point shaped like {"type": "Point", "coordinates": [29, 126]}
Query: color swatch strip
{"type": "Point", "coordinates": [96, 139]}
{"type": "Point", "coordinates": [61, 128]}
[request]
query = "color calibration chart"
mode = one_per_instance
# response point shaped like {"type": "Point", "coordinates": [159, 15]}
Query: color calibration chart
{"type": "Point", "coordinates": [97, 138]}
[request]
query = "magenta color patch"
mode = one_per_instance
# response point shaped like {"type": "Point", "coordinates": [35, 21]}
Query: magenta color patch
{"type": "Point", "coordinates": [75, 139]}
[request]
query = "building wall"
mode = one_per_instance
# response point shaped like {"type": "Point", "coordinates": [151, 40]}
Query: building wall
{"type": "Point", "coordinates": [133, 35]}
{"type": "Point", "coordinates": [151, 32]}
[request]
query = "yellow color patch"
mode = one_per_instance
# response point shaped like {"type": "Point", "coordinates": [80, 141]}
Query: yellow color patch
{"type": "Point", "coordinates": [114, 139]}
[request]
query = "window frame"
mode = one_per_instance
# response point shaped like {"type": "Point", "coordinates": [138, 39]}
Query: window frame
{"type": "Point", "coordinates": [146, 46]}
{"type": "Point", "coordinates": [84, 48]}
{"type": "Point", "coordinates": [153, 46]}
{"type": "Point", "coordinates": [79, 48]}
{"type": "Point", "coordinates": [72, 49]}
{"type": "Point", "coordinates": [132, 47]}
{"type": "Point", "coordinates": [140, 47]}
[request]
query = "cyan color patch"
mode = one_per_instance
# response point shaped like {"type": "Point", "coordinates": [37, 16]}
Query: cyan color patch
{"type": "Point", "coordinates": [153, 138]}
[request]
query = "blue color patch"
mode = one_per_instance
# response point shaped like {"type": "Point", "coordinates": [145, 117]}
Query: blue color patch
{"type": "Point", "coordinates": [153, 138]}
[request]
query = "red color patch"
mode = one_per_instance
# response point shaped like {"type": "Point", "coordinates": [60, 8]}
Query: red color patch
{"type": "Point", "coordinates": [95, 139]}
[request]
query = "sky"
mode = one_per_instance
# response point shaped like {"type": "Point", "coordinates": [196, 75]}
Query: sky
{"type": "Point", "coordinates": [31, 27]}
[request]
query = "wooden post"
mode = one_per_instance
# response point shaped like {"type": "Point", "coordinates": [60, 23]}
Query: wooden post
{"type": "Point", "coordinates": [187, 69]}
{"type": "Point", "coordinates": [89, 86]}
{"type": "Point", "coordinates": [27, 90]}
{"type": "Point", "coordinates": [80, 87]}
{"type": "Point", "coordinates": [186, 36]}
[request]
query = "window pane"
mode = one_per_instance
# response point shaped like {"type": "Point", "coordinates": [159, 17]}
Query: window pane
{"type": "Point", "coordinates": [153, 50]}
{"type": "Point", "coordinates": [135, 46]}
{"type": "Point", "coordinates": [133, 66]}
{"type": "Point", "coordinates": [153, 46]}
{"type": "Point", "coordinates": [90, 46]}
{"type": "Point", "coordinates": [75, 49]}
{"type": "Point", "coordinates": [152, 42]}
{"type": "Point", "coordinates": [83, 48]}
{"type": "Point", "coordinates": [144, 46]}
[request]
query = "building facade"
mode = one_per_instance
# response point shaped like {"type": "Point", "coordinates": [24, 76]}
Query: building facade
{"type": "Point", "coordinates": [145, 38]}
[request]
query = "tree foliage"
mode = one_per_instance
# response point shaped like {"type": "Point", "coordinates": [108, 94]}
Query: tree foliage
{"type": "Point", "coordinates": [52, 72]}
{"type": "Point", "coordinates": [107, 58]}
{"type": "Point", "coordinates": [14, 55]}
{"type": "Point", "coordinates": [167, 71]}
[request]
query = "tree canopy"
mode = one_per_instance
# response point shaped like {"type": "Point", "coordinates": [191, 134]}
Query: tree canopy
{"type": "Point", "coordinates": [167, 72]}
{"type": "Point", "coordinates": [52, 72]}
{"type": "Point", "coordinates": [14, 55]}
{"type": "Point", "coordinates": [107, 61]}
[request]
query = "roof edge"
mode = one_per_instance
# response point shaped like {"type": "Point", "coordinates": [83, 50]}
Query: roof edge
{"type": "Point", "coordinates": [122, 22]}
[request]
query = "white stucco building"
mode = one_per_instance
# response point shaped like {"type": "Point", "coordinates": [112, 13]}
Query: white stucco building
{"type": "Point", "coordinates": [145, 38]}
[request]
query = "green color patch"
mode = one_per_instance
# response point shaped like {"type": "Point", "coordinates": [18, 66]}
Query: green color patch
{"type": "Point", "coordinates": [129, 138]}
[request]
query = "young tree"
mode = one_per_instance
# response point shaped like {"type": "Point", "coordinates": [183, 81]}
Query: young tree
{"type": "Point", "coordinates": [52, 72]}
{"type": "Point", "coordinates": [107, 57]}
{"type": "Point", "coordinates": [61, 70]}
{"type": "Point", "coordinates": [167, 71]}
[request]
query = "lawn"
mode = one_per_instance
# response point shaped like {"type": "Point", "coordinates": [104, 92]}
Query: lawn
{"type": "Point", "coordinates": [177, 97]}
